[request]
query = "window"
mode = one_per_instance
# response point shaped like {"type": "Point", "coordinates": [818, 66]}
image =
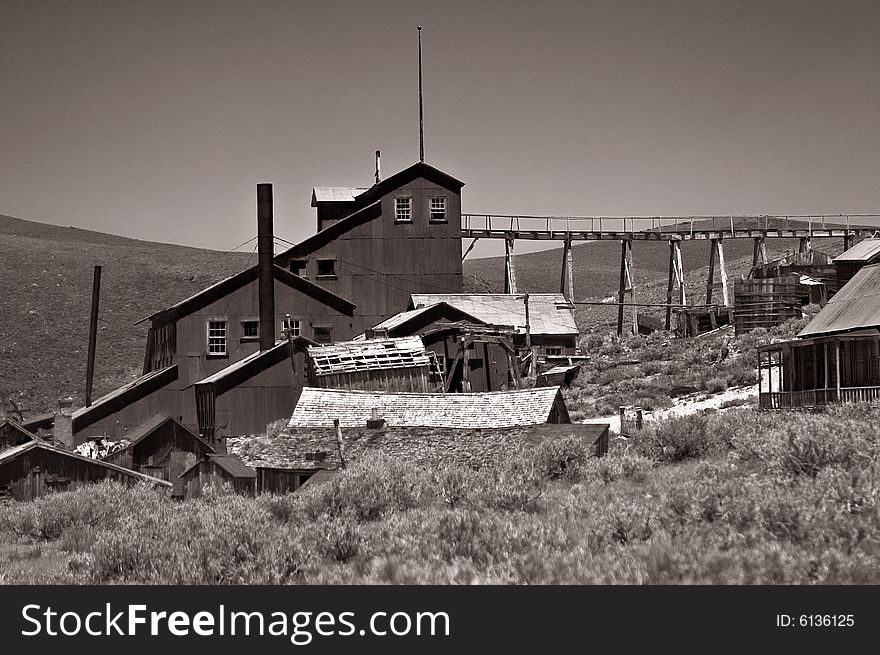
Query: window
{"type": "Point", "coordinates": [403, 210]}
{"type": "Point", "coordinates": [553, 351]}
{"type": "Point", "coordinates": [250, 329]}
{"type": "Point", "coordinates": [438, 210]}
{"type": "Point", "coordinates": [216, 337]}
{"type": "Point", "coordinates": [323, 334]}
{"type": "Point", "coordinates": [291, 325]}
{"type": "Point", "coordinates": [327, 268]}
{"type": "Point", "coordinates": [299, 267]}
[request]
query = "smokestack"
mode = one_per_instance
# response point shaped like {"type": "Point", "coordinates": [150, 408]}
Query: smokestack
{"type": "Point", "coordinates": [93, 334]}
{"type": "Point", "coordinates": [266, 254]}
{"type": "Point", "coordinates": [378, 167]}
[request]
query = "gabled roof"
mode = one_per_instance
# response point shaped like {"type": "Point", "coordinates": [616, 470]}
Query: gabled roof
{"type": "Point", "coordinates": [225, 287]}
{"type": "Point", "coordinates": [854, 307]}
{"type": "Point", "coordinates": [864, 251]}
{"type": "Point", "coordinates": [411, 321]}
{"type": "Point", "coordinates": [123, 396]}
{"type": "Point", "coordinates": [44, 420]}
{"type": "Point", "coordinates": [368, 355]}
{"type": "Point", "coordinates": [335, 194]}
{"type": "Point", "coordinates": [314, 448]}
{"type": "Point", "coordinates": [12, 453]}
{"type": "Point", "coordinates": [7, 426]}
{"type": "Point", "coordinates": [497, 409]}
{"type": "Point", "coordinates": [244, 369]}
{"type": "Point", "coordinates": [549, 313]}
{"type": "Point", "coordinates": [230, 463]}
{"type": "Point", "coordinates": [366, 206]}
{"type": "Point", "coordinates": [152, 424]}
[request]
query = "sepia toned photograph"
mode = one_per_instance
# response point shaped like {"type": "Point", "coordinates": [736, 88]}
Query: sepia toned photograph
{"type": "Point", "coordinates": [439, 293]}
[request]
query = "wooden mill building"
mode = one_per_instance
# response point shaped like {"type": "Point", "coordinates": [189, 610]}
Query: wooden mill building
{"type": "Point", "coordinates": [228, 360]}
{"type": "Point", "coordinates": [836, 357]}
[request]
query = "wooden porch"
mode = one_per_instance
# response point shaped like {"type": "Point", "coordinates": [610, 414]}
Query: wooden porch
{"type": "Point", "coordinates": [819, 371]}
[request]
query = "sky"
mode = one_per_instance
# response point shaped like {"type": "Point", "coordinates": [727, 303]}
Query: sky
{"type": "Point", "coordinates": [156, 120]}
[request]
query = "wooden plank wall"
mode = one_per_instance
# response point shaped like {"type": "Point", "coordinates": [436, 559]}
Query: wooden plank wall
{"type": "Point", "coordinates": [765, 303]}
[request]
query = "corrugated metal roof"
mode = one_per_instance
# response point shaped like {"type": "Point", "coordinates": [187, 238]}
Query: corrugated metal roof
{"type": "Point", "coordinates": [295, 448]}
{"type": "Point", "coordinates": [336, 193]}
{"type": "Point", "coordinates": [855, 306]}
{"type": "Point", "coordinates": [863, 251]}
{"type": "Point", "coordinates": [549, 313]}
{"type": "Point", "coordinates": [497, 409]}
{"type": "Point", "coordinates": [368, 355]}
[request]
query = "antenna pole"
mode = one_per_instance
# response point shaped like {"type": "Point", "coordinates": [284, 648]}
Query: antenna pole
{"type": "Point", "coordinates": [421, 108]}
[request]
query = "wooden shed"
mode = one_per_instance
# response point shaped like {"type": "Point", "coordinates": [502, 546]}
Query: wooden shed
{"type": "Point", "coordinates": [35, 468]}
{"type": "Point", "coordinates": [161, 447]}
{"type": "Point", "coordinates": [215, 471]}
{"type": "Point", "coordinates": [851, 261]}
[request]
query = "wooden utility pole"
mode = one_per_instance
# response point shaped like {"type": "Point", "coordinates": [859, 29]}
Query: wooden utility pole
{"type": "Point", "coordinates": [93, 334]}
{"type": "Point", "coordinates": [340, 446]}
{"type": "Point", "coordinates": [759, 255]}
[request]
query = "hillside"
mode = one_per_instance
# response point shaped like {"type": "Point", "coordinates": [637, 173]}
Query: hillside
{"type": "Point", "coordinates": [47, 283]}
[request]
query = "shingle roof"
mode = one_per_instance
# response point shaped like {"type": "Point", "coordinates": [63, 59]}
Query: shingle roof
{"type": "Point", "coordinates": [368, 355]}
{"type": "Point", "coordinates": [335, 194]}
{"type": "Point", "coordinates": [296, 448]}
{"type": "Point", "coordinates": [230, 463]}
{"type": "Point", "coordinates": [12, 453]}
{"type": "Point", "coordinates": [854, 307]}
{"type": "Point", "coordinates": [496, 409]}
{"type": "Point", "coordinates": [549, 313]}
{"type": "Point", "coordinates": [863, 251]}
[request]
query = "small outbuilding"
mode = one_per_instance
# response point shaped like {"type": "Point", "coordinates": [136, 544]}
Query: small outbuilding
{"type": "Point", "coordinates": [161, 447]}
{"type": "Point", "coordinates": [35, 468]}
{"type": "Point", "coordinates": [215, 471]}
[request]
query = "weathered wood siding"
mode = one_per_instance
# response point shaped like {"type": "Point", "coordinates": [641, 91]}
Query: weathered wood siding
{"type": "Point", "coordinates": [192, 331]}
{"type": "Point", "coordinates": [40, 471]}
{"type": "Point", "coordinates": [208, 474]}
{"type": "Point", "coordinates": [380, 263]}
{"type": "Point", "coordinates": [251, 405]}
{"type": "Point", "coordinates": [165, 454]}
{"type": "Point", "coordinates": [411, 378]}
{"type": "Point", "coordinates": [280, 481]}
{"type": "Point", "coordinates": [171, 400]}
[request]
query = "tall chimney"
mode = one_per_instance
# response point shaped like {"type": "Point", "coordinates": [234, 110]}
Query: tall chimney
{"type": "Point", "coordinates": [378, 167]}
{"type": "Point", "coordinates": [93, 334]}
{"type": "Point", "coordinates": [266, 254]}
{"type": "Point", "coordinates": [62, 431]}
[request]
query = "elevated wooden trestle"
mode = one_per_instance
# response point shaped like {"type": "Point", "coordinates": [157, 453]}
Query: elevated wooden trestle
{"type": "Point", "coordinates": [674, 230]}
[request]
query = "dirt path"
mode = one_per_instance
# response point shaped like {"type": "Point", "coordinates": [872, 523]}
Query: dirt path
{"type": "Point", "coordinates": [685, 405]}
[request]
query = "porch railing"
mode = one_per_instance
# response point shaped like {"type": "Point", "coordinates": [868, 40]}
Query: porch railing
{"type": "Point", "coordinates": [816, 397]}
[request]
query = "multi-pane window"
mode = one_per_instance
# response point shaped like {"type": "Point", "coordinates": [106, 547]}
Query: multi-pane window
{"type": "Point", "coordinates": [323, 334]}
{"type": "Point", "coordinates": [326, 268]}
{"type": "Point", "coordinates": [553, 351]}
{"type": "Point", "coordinates": [291, 326]}
{"type": "Point", "coordinates": [300, 267]}
{"type": "Point", "coordinates": [216, 337]}
{"type": "Point", "coordinates": [250, 329]}
{"type": "Point", "coordinates": [403, 210]}
{"type": "Point", "coordinates": [438, 209]}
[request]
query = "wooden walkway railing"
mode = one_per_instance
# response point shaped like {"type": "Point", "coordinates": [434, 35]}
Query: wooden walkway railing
{"type": "Point", "coordinates": [817, 397]}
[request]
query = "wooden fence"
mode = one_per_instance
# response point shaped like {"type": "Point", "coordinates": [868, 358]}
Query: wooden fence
{"type": "Point", "coordinates": [816, 397]}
